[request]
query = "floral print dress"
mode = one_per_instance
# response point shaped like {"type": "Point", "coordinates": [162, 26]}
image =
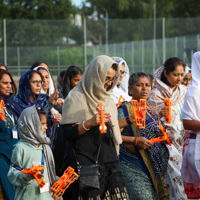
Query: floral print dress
{"type": "Point", "coordinates": [157, 96]}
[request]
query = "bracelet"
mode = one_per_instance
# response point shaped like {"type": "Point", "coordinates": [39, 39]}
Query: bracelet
{"type": "Point", "coordinates": [86, 129]}
{"type": "Point", "coordinates": [135, 140]}
{"type": "Point", "coordinates": [136, 143]}
{"type": "Point", "coordinates": [128, 120]}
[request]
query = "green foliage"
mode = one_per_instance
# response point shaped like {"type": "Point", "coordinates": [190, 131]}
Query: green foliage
{"type": "Point", "coordinates": [36, 9]}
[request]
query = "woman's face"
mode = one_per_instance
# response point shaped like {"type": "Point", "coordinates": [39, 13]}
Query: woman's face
{"type": "Point", "coordinates": [5, 85]}
{"type": "Point", "coordinates": [46, 79]}
{"type": "Point", "coordinates": [141, 89]}
{"type": "Point", "coordinates": [122, 73]}
{"type": "Point", "coordinates": [110, 77]}
{"type": "Point", "coordinates": [175, 77]}
{"type": "Point", "coordinates": [187, 79]}
{"type": "Point", "coordinates": [74, 80]}
{"type": "Point", "coordinates": [36, 84]}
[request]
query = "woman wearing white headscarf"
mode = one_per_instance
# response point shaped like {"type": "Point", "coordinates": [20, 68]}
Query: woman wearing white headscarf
{"type": "Point", "coordinates": [80, 125]}
{"type": "Point", "coordinates": [48, 88]}
{"type": "Point", "coordinates": [187, 77]}
{"type": "Point", "coordinates": [190, 172]}
{"type": "Point", "coordinates": [122, 86]}
{"type": "Point", "coordinates": [55, 108]}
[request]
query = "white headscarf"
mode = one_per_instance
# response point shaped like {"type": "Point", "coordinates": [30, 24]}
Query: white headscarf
{"type": "Point", "coordinates": [191, 111]}
{"type": "Point", "coordinates": [81, 102]}
{"type": "Point", "coordinates": [122, 90]}
{"type": "Point", "coordinates": [187, 69]}
{"type": "Point", "coordinates": [51, 87]}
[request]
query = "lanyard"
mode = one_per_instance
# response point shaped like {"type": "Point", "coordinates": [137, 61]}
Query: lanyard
{"type": "Point", "coordinates": [42, 162]}
{"type": "Point", "coordinates": [20, 168]}
{"type": "Point", "coordinates": [11, 118]}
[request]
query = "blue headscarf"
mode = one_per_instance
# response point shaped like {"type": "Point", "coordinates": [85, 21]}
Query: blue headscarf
{"type": "Point", "coordinates": [12, 106]}
{"type": "Point", "coordinates": [25, 94]}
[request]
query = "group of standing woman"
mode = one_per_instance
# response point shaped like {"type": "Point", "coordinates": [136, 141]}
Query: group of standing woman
{"type": "Point", "coordinates": [130, 165]}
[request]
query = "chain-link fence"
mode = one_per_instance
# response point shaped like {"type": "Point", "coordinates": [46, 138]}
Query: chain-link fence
{"type": "Point", "coordinates": [144, 43]}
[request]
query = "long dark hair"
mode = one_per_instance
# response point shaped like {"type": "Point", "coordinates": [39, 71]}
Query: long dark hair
{"type": "Point", "coordinates": [71, 72]}
{"type": "Point", "coordinates": [170, 65]}
{"type": "Point", "coordinates": [14, 87]}
{"type": "Point", "coordinates": [37, 63]}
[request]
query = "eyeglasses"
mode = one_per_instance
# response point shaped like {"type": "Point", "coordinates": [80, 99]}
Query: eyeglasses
{"type": "Point", "coordinates": [36, 82]}
{"type": "Point", "coordinates": [122, 73]}
{"type": "Point", "coordinates": [107, 80]}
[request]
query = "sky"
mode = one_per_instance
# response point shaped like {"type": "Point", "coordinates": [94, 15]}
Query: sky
{"type": "Point", "coordinates": [77, 3]}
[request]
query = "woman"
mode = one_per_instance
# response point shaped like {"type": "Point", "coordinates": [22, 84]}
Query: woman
{"type": "Point", "coordinates": [54, 107]}
{"type": "Point", "coordinates": [142, 163]}
{"type": "Point", "coordinates": [168, 80]}
{"type": "Point", "coordinates": [80, 124]}
{"type": "Point", "coordinates": [72, 76]}
{"type": "Point", "coordinates": [29, 91]}
{"type": "Point", "coordinates": [187, 77]}
{"type": "Point", "coordinates": [8, 133]}
{"type": "Point", "coordinates": [60, 79]}
{"type": "Point", "coordinates": [191, 120]}
{"type": "Point", "coordinates": [122, 86]}
{"type": "Point", "coordinates": [49, 89]}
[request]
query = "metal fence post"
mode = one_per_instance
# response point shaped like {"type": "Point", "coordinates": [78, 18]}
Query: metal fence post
{"type": "Point", "coordinates": [85, 44]}
{"type": "Point", "coordinates": [142, 43]}
{"type": "Point", "coordinates": [132, 57]}
{"type": "Point", "coordinates": [5, 42]}
{"type": "Point", "coordinates": [163, 40]}
{"type": "Point", "coordinates": [58, 59]}
{"type": "Point", "coordinates": [18, 61]}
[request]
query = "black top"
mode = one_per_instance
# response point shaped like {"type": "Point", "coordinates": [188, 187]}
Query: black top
{"type": "Point", "coordinates": [86, 145]}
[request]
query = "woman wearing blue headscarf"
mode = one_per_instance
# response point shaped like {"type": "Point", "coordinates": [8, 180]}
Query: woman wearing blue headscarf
{"type": "Point", "coordinates": [29, 91]}
{"type": "Point", "coordinates": [8, 134]}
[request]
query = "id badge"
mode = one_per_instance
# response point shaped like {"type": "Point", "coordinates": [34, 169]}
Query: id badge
{"type": "Point", "coordinates": [45, 188]}
{"type": "Point", "coordinates": [14, 133]}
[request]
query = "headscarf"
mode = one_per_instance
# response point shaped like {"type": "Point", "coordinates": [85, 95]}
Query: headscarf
{"type": "Point", "coordinates": [191, 111]}
{"type": "Point", "coordinates": [81, 102]}
{"type": "Point", "coordinates": [12, 106]}
{"type": "Point", "coordinates": [30, 129]}
{"type": "Point", "coordinates": [187, 69]}
{"type": "Point", "coordinates": [124, 84]}
{"type": "Point", "coordinates": [25, 94]}
{"type": "Point", "coordinates": [162, 91]}
{"type": "Point", "coordinates": [51, 87]}
{"type": "Point", "coordinates": [51, 84]}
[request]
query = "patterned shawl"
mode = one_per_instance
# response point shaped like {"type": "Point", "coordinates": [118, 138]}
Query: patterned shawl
{"type": "Point", "coordinates": [25, 94]}
{"type": "Point", "coordinates": [162, 91]}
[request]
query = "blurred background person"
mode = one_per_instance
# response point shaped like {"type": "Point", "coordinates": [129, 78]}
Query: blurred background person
{"type": "Point", "coordinates": [8, 130]}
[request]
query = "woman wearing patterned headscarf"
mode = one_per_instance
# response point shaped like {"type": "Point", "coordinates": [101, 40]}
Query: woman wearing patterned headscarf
{"type": "Point", "coordinates": [168, 80]}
